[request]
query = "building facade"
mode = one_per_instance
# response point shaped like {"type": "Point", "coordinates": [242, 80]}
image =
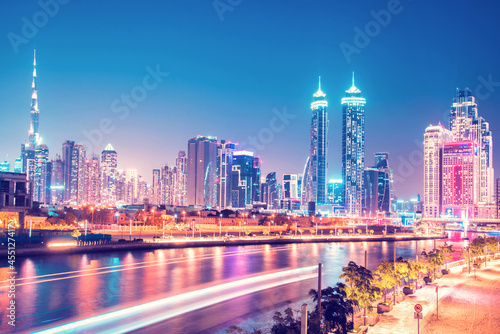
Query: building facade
{"type": "Point", "coordinates": [353, 150]}
{"type": "Point", "coordinates": [202, 171]}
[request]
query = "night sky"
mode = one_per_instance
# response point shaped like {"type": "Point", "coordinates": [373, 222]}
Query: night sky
{"type": "Point", "coordinates": [233, 68]}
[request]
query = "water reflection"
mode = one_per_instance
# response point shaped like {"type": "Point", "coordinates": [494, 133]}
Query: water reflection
{"type": "Point", "coordinates": [120, 278]}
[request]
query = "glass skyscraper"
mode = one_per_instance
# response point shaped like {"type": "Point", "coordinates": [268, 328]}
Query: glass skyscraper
{"type": "Point", "coordinates": [353, 150]}
{"type": "Point", "coordinates": [202, 171]}
{"type": "Point", "coordinates": [314, 189]}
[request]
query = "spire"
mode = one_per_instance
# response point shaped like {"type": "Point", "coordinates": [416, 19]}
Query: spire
{"type": "Point", "coordinates": [33, 135]}
{"type": "Point", "coordinates": [319, 93]}
{"type": "Point", "coordinates": [353, 89]}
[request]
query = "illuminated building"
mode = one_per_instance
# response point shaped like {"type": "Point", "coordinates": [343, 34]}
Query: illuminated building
{"type": "Point", "coordinates": [270, 191]}
{"type": "Point", "coordinates": [109, 165]}
{"type": "Point", "coordinates": [353, 150]}
{"type": "Point", "coordinates": [378, 183]}
{"type": "Point", "coordinates": [180, 191]}
{"type": "Point", "coordinates": [202, 171]}
{"type": "Point", "coordinates": [41, 179]}
{"type": "Point", "coordinates": [77, 176]}
{"type": "Point", "coordinates": [224, 173]}
{"type": "Point", "coordinates": [18, 165]}
{"type": "Point", "coordinates": [460, 177]}
{"type": "Point", "coordinates": [466, 124]}
{"type": "Point", "coordinates": [57, 181]}
{"type": "Point", "coordinates": [256, 180]}
{"type": "Point", "coordinates": [242, 179]}
{"type": "Point", "coordinates": [314, 186]}
{"type": "Point", "coordinates": [434, 139]}
{"type": "Point", "coordinates": [92, 181]}
{"type": "Point", "coordinates": [290, 186]}
{"type": "Point", "coordinates": [67, 152]}
{"type": "Point", "coordinates": [5, 166]}
{"type": "Point", "coordinates": [28, 150]}
{"type": "Point", "coordinates": [167, 185]}
{"type": "Point", "coordinates": [156, 194]}
{"type": "Point", "coordinates": [15, 195]}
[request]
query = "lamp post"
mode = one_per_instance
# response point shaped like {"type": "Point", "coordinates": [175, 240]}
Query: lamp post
{"type": "Point", "coordinates": [130, 237]}
{"type": "Point", "coordinates": [92, 210]}
{"type": "Point", "coordinates": [220, 226]}
{"type": "Point", "coordinates": [153, 221]}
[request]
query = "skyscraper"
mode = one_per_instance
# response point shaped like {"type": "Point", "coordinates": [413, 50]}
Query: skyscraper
{"type": "Point", "coordinates": [466, 124]}
{"type": "Point", "coordinates": [314, 187]}
{"type": "Point", "coordinates": [156, 188]}
{"type": "Point", "coordinates": [57, 181]}
{"type": "Point", "coordinates": [77, 176]}
{"type": "Point", "coordinates": [378, 183]}
{"type": "Point", "coordinates": [67, 153]}
{"type": "Point", "coordinates": [242, 179]}
{"type": "Point", "coordinates": [33, 136]}
{"type": "Point", "coordinates": [353, 150]}
{"type": "Point", "coordinates": [180, 183]}
{"type": "Point", "coordinates": [28, 150]}
{"type": "Point", "coordinates": [460, 177]}
{"type": "Point", "coordinates": [92, 181]}
{"type": "Point", "coordinates": [271, 192]}
{"type": "Point", "coordinates": [167, 185]}
{"type": "Point", "coordinates": [224, 173]}
{"type": "Point", "coordinates": [202, 171]}
{"type": "Point", "coordinates": [109, 165]}
{"type": "Point", "coordinates": [41, 175]}
{"type": "Point", "coordinates": [5, 166]}
{"type": "Point", "coordinates": [434, 139]}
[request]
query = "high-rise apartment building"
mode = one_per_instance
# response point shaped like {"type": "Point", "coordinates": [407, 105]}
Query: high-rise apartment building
{"type": "Point", "coordinates": [460, 177]}
{"type": "Point", "coordinates": [92, 187]}
{"type": "Point", "coordinates": [434, 139]}
{"type": "Point", "coordinates": [57, 181]}
{"type": "Point", "coordinates": [180, 184]}
{"type": "Point", "coordinates": [353, 150]}
{"type": "Point", "coordinates": [41, 179]}
{"type": "Point", "coordinates": [224, 173]}
{"type": "Point", "coordinates": [156, 188]}
{"type": "Point", "coordinates": [77, 176]}
{"type": "Point", "coordinates": [109, 165]}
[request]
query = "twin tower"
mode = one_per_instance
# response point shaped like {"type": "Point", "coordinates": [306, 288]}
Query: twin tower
{"type": "Point", "coordinates": [314, 187]}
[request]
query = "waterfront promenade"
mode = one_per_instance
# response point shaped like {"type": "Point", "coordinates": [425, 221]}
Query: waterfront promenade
{"type": "Point", "coordinates": [468, 303]}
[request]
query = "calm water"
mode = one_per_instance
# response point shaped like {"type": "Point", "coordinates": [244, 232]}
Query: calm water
{"type": "Point", "coordinates": [58, 289]}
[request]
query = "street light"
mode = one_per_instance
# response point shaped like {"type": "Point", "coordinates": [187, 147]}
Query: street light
{"type": "Point", "coordinates": [220, 226]}
{"type": "Point", "coordinates": [92, 210]}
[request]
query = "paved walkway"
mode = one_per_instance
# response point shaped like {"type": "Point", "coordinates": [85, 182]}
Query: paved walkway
{"type": "Point", "coordinates": [401, 318]}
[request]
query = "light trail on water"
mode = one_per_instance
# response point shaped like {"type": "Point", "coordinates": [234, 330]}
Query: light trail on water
{"type": "Point", "coordinates": [143, 315]}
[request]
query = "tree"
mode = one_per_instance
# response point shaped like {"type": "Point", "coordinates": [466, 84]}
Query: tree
{"type": "Point", "coordinates": [265, 232]}
{"type": "Point", "coordinates": [386, 276]}
{"type": "Point", "coordinates": [335, 306]}
{"type": "Point", "coordinates": [372, 232]}
{"type": "Point", "coordinates": [286, 324]}
{"type": "Point", "coordinates": [235, 329]}
{"type": "Point", "coordinates": [300, 231]}
{"type": "Point", "coordinates": [447, 251]}
{"type": "Point", "coordinates": [434, 258]}
{"type": "Point", "coordinates": [75, 234]}
{"type": "Point", "coordinates": [360, 290]}
{"type": "Point", "coordinates": [359, 231]}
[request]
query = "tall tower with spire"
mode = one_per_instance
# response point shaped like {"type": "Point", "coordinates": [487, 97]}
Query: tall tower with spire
{"type": "Point", "coordinates": [28, 149]}
{"type": "Point", "coordinates": [33, 136]}
{"type": "Point", "coordinates": [314, 189]}
{"type": "Point", "coordinates": [353, 150]}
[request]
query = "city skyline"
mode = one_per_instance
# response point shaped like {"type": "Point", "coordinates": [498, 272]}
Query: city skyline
{"type": "Point", "coordinates": [76, 92]}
